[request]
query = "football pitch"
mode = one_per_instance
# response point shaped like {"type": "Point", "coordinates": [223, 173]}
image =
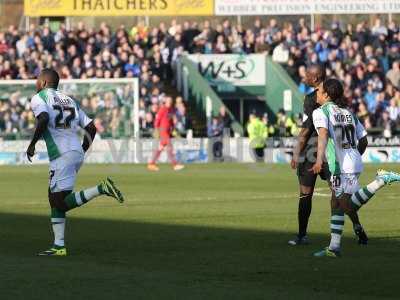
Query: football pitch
{"type": "Point", "coordinates": [212, 231]}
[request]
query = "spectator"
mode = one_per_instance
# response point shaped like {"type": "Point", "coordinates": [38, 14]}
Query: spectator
{"type": "Point", "coordinates": [378, 29]}
{"type": "Point", "coordinates": [365, 58]}
{"type": "Point", "coordinates": [258, 133]}
{"type": "Point", "coordinates": [270, 129]}
{"type": "Point", "coordinates": [182, 124]}
{"type": "Point", "coordinates": [393, 111]}
{"type": "Point", "coordinates": [370, 98]}
{"type": "Point", "coordinates": [281, 53]}
{"type": "Point", "coordinates": [3, 44]}
{"type": "Point", "coordinates": [226, 120]}
{"type": "Point", "coordinates": [364, 116]}
{"type": "Point", "coordinates": [281, 123]}
{"type": "Point", "coordinates": [385, 123]}
{"type": "Point", "coordinates": [393, 75]}
{"type": "Point", "coordinates": [147, 125]}
{"type": "Point", "coordinates": [215, 129]}
{"type": "Point", "coordinates": [286, 125]}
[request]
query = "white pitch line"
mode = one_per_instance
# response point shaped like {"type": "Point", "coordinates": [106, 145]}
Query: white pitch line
{"type": "Point", "coordinates": [322, 195]}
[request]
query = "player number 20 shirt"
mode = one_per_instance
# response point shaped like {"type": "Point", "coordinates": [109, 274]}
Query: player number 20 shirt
{"type": "Point", "coordinates": [345, 130]}
{"type": "Point", "coordinates": [65, 118]}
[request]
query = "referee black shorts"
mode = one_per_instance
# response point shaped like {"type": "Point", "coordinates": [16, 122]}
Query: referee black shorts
{"type": "Point", "coordinates": [307, 177]}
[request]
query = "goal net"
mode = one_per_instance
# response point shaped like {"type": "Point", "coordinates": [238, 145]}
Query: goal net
{"type": "Point", "coordinates": [112, 103]}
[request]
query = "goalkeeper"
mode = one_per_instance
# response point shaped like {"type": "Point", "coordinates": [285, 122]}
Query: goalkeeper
{"type": "Point", "coordinates": [164, 126]}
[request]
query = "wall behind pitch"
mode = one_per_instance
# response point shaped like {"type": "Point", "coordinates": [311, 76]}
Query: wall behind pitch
{"type": "Point", "coordinates": [187, 150]}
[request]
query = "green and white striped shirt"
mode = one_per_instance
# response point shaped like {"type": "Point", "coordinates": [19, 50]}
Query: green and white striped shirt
{"type": "Point", "coordinates": [65, 118]}
{"type": "Point", "coordinates": [345, 130]}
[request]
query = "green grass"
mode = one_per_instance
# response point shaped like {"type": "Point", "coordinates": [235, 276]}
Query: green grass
{"type": "Point", "coordinates": [215, 231]}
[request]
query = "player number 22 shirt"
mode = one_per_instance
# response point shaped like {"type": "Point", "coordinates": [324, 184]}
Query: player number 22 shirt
{"type": "Point", "coordinates": [65, 118]}
{"type": "Point", "coordinates": [345, 130]}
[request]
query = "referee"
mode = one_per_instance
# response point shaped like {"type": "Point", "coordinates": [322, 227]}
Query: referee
{"type": "Point", "coordinates": [304, 158]}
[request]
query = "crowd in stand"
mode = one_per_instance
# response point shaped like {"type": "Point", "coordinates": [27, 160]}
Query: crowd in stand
{"type": "Point", "coordinates": [15, 115]}
{"type": "Point", "coordinates": [365, 58]}
{"type": "Point", "coordinates": [87, 53]}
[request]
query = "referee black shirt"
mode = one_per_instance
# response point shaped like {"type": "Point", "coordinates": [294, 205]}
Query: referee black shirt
{"type": "Point", "coordinates": [310, 104]}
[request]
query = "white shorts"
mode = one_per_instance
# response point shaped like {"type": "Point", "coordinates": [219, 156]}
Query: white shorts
{"type": "Point", "coordinates": [63, 171]}
{"type": "Point", "coordinates": [345, 183]}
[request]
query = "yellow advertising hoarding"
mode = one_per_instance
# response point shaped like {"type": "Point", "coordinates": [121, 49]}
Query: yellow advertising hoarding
{"type": "Point", "coordinates": [36, 8]}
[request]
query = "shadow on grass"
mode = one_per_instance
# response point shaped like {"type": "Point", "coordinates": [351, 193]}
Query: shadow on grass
{"type": "Point", "coordinates": [122, 259]}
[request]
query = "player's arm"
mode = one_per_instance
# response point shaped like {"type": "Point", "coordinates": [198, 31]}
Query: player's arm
{"type": "Point", "coordinates": [362, 145]}
{"type": "Point", "coordinates": [361, 135]}
{"type": "Point", "coordinates": [40, 110]}
{"type": "Point", "coordinates": [320, 121]}
{"type": "Point", "coordinates": [90, 133]}
{"type": "Point", "coordinates": [90, 129]}
{"type": "Point", "coordinates": [250, 130]}
{"type": "Point", "coordinates": [304, 134]}
{"type": "Point", "coordinates": [302, 139]}
{"type": "Point", "coordinates": [322, 142]}
{"type": "Point", "coordinates": [157, 120]}
{"type": "Point", "coordinates": [42, 121]}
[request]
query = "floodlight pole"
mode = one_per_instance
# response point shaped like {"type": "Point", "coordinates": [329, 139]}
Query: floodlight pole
{"type": "Point", "coordinates": [68, 23]}
{"type": "Point", "coordinates": [27, 23]}
{"type": "Point", "coordinates": [312, 25]}
{"type": "Point", "coordinates": [239, 20]}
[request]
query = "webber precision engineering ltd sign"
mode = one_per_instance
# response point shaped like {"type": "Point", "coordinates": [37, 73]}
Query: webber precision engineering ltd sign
{"type": "Point", "coordinates": [36, 8]}
{"type": "Point", "coordinates": [227, 71]}
{"type": "Point", "coordinates": [305, 7]}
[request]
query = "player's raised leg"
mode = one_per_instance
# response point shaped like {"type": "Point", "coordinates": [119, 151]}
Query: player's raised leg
{"type": "Point", "coordinates": [106, 187]}
{"type": "Point", "coordinates": [351, 203]}
{"type": "Point", "coordinates": [362, 196]}
{"type": "Point", "coordinates": [62, 199]}
{"type": "Point", "coordinates": [62, 202]}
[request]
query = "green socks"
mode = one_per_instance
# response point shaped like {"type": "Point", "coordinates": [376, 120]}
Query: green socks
{"type": "Point", "coordinates": [362, 196]}
{"type": "Point", "coordinates": [79, 198]}
{"type": "Point", "coordinates": [337, 224]}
